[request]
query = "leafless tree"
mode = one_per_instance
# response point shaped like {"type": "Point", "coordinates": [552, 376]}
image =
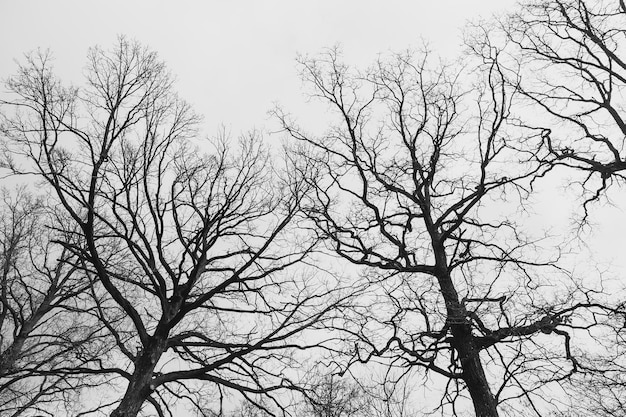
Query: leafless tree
{"type": "Point", "coordinates": [344, 396]}
{"type": "Point", "coordinates": [332, 396]}
{"type": "Point", "coordinates": [423, 181]}
{"type": "Point", "coordinates": [567, 58]}
{"type": "Point", "coordinates": [47, 330]}
{"type": "Point", "coordinates": [193, 240]}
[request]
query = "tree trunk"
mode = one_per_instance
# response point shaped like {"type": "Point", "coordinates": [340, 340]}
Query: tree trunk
{"type": "Point", "coordinates": [465, 345]}
{"type": "Point", "coordinates": [140, 385]}
{"type": "Point", "coordinates": [13, 352]}
{"type": "Point", "coordinates": [473, 372]}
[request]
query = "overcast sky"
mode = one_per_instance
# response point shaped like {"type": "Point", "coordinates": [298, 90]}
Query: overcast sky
{"type": "Point", "coordinates": [233, 59]}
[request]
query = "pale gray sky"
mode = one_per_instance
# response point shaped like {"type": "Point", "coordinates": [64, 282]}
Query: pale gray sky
{"type": "Point", "coordinates": [233, 59]}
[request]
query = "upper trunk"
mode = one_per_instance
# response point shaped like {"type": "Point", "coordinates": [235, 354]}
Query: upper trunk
{"type": "Point", "coordinates": [140, 385]}
{"type": "Point", "coordinates": [473, 372]}
{"type": "Point", "coordinates": [464, 342]}
{"type": "Point", "coordinates": [13, 352]}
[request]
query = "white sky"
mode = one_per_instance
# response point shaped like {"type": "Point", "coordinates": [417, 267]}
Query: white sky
{"type": "Point", "coordinates": [234, 59]}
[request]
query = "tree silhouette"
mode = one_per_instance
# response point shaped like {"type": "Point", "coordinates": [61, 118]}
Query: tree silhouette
{"type": "Point", "coordinates": [48, 329]}
{"type": "Point", "coordinates": [566, 59]}
{"type": "Point", "coordinates": [164, 270]}
{"type": "Point", "coordinates": [423, 182]}
{"type": "Point", "coordinates": [193, 247]}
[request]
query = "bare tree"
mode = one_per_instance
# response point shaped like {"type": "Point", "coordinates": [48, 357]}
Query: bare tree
{"type": "Point", "coordinates": [329, 395]}
{"type": "Point", "coordinates": [191, 239]}
{"type": "Point", "coordinates": [47, 330]}
{"type": "Point", "coordinates": [332, 396]}
{"type": "Point", "coordinates": [423, 182]}
{"type": "Point", "coordinates": [567, 58]}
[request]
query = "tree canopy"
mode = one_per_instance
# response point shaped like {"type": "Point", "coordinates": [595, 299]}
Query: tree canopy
{"type": "Point", "coordinates": [148, 270]}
